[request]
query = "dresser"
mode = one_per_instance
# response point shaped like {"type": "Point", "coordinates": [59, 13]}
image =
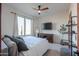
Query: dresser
{"type": "Point", "coordinates": [49, 37]}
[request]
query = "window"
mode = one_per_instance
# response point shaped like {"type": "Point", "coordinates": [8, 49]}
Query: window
{"type": "Point", "coordinates": [24, 26]}
{"type": "Point", "coordinates": [28, 27]}
{"type": "Point", "coordinates": [20, 25]}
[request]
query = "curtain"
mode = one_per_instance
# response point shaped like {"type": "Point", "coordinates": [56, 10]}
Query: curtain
{"type": "Point", "coordinates": [15, 25]}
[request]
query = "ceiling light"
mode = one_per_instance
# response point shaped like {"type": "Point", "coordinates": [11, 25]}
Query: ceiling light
{"type": "Point", "coordinates": [39, 12]}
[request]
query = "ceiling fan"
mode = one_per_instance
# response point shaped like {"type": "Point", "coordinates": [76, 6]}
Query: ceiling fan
{"type": "Point", "coordinates": [39, 9]}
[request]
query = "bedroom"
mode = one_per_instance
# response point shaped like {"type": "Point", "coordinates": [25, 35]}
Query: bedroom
{"type": "Point", "coordinates": [22, 19]}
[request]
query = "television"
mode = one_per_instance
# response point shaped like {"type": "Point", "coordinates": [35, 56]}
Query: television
{"type": "Point", "coordinates": [47, 26]}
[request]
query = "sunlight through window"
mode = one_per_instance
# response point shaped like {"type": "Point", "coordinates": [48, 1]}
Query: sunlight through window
{"type": "Point", "coordinates": [24, 26]}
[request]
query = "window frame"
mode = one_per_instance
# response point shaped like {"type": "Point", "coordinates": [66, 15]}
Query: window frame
{"type": "Point", "coordinates": [25, 25]}
{"type": "Point", "coordinates": [17, 24]}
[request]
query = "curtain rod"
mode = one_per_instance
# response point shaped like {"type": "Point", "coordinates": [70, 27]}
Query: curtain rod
{"type": "Point", "coordinates": [13, 12]}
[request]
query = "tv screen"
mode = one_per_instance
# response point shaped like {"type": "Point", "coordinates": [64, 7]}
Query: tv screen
{"type": "Point", "coordinates": [47, 26]}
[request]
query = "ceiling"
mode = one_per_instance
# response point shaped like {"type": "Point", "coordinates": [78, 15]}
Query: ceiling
{"type": "Point", "coordinates": [53, 8]}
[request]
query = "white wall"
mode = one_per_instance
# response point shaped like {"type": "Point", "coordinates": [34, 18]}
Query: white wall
{"type": "Point", "coordinates": [73, 9]}
{"type": "Point", "coordinates": [57, 20]}
{"type": "Point", "coordinates": [7, 20]}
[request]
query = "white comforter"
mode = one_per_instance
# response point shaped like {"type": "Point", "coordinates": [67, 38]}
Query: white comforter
{"type": "Point", "coordinates": [37, 46]}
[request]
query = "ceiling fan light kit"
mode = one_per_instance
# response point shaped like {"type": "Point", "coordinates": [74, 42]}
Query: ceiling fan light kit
{"type": "Point", "coordinates": [39, 9]}
{"type": "Point", "coordinates": [39, 12]}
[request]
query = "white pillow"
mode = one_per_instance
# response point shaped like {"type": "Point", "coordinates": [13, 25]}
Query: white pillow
{"type": "Point", "coordinates": [13, 51]}
{"type": "Point", "coordinates": [8, 42]}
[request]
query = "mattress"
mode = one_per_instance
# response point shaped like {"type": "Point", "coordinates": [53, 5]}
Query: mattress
{"type": "Point", "coordinates": [37, 46]}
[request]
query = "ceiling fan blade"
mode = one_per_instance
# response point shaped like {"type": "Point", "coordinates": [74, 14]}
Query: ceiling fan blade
{"type": "Point", "coordinates": [35, 9]}
{"type": "Point", "coordinates": [44, 9]}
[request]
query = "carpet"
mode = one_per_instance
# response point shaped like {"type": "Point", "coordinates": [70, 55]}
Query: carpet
{"type": "Point", "coordinates": [52, 53]}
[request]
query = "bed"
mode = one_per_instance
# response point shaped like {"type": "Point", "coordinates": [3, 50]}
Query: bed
{"type": "Point", "coordinates": [37, 46]}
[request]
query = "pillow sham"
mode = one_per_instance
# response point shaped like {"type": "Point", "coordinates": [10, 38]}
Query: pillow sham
{"type": "Point", "coordinates": [20, 44]}
{"type": "Point", "coordinates": [12, 47]}
{"type": "Point", "coordinates": [20, 38]}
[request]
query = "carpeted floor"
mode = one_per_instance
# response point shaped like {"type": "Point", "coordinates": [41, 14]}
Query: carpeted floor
{"type": "Point", "coordinates": [57, 50]}
{"type": "Point", "coordinates": [52, 53]}
{"type": "Point", "coordinates": [56, 53]}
